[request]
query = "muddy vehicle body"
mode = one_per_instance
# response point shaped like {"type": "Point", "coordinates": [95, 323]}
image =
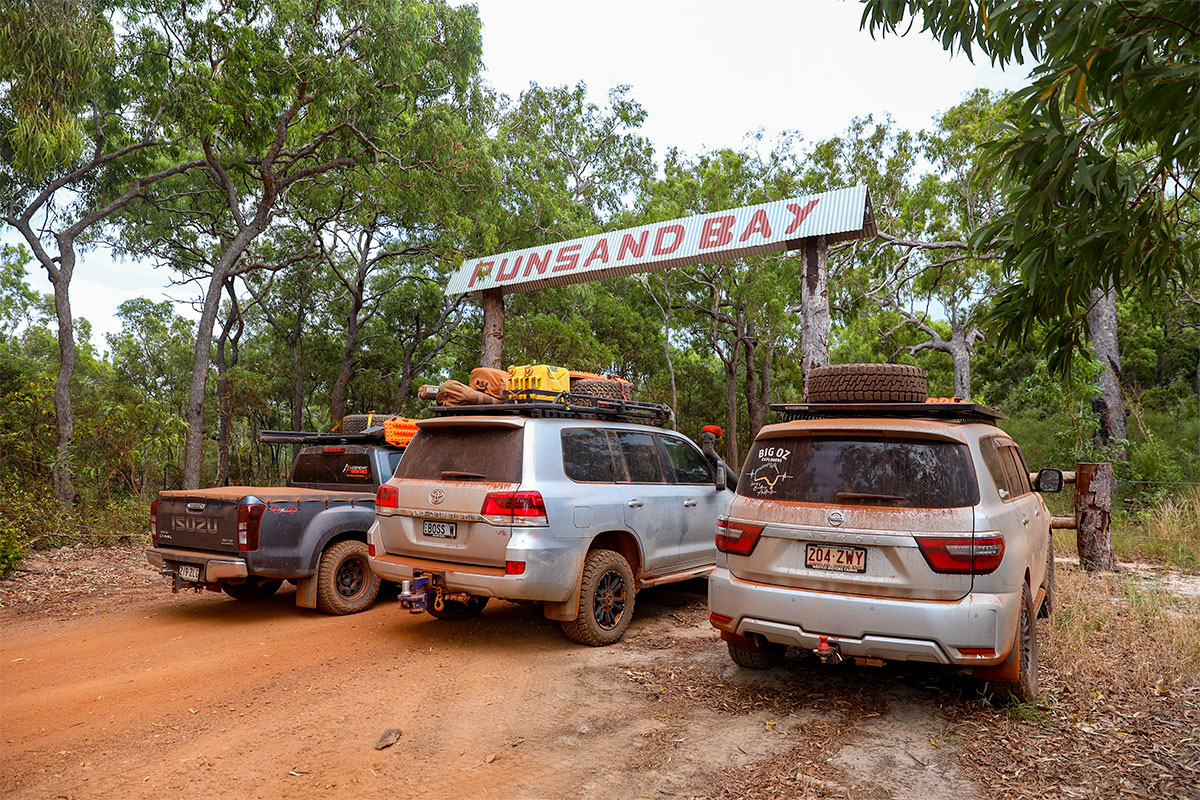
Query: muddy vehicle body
{"type": "Point", "coordinates": [248, 540]}
{"type": "Point", "coordinates": [575, 511]}
{"type": "Point", "coordinates": [887, 531]}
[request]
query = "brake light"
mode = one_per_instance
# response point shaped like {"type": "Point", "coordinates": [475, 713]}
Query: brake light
{"type": "Point", "coordinates": [387, 497]}
{"type": "Point", "coordinates": [514, 567]}
{"type": "Point", "coordinates": [154, 521]}
{"type": "Point", "coordinates": [371, 550]}
{"type": "Point", "coordinates": [983, 652]}
{"type": "Point", "coordinates": [962, 555]}
{"type": "Point", "coordinates": [719, 620]}
{"type": "Point", "coordinates": [515, 508]}
{"type": "Point", "coordinates": [249, 521]}
{"type": "Point", "coordinates": [737, 538]}
{"type": "Point", "coordinates": [334, 450]}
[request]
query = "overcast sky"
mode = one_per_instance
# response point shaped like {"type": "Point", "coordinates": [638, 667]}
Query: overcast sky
{"type": "Point", "coordinates": [707, 73]}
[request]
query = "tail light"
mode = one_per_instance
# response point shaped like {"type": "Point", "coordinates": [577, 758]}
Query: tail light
{"type": "Point", "coordinates": [154, 521]}
{"type": "Point", "coordinates": [963, 555]}
{"type": "Point", "coordinates": [737, 538]}
{"type": "Point", "coordinates": [515, 508]}
{"type": "Point", "coordinates": [334, 450]}
{"type": "Point", "coordinates": [387, 497]}
{"type": "Point", "coordinates": [514, 567]}
{"type": "Point", "coordinates": [249, 521]}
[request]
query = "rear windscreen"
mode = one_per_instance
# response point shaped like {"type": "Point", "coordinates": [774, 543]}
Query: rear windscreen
{"type": "Point", "coordinates": [464, 453]}
{"type": "Point", "coordinates": [353, 469]}
{"type": "Point", "coordinates": [895, 473]}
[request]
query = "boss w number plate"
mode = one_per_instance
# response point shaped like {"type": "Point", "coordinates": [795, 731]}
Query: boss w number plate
{"type": "Point", "coordinates": [439, 530]}
{"type": "Point", "coordinates": [837, 559]}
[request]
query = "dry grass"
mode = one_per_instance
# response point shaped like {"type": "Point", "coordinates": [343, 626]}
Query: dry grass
{"type": "Point", "coordinates": [1169, 532]}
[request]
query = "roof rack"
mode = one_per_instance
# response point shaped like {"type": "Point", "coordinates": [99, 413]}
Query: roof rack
{"type": "Point", "coordinates": [961, 412]}
{"type": "Point", "coordinates": [372, 435]}
{"type": "Point", "coordinates": [539, 404]}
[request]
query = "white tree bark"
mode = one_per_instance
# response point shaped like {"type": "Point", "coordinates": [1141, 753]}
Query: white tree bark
{"type": "Point", "coordinates": [814, 306]}
{"type": "Point", "coordinates": [1102, 331]}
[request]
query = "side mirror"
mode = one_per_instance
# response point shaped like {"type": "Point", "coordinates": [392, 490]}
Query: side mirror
{"type": "Point", "coordinates": [720, 481]}
{"type": "Point", "coordinates": [1049, 480]}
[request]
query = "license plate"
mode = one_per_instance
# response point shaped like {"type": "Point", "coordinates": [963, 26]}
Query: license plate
{"type": "Point", "coordinates": [440, 530]}
{"type": "Point", "coordinates": [838, 559]}
{"type": "Point", "coordinates": [189, 572]}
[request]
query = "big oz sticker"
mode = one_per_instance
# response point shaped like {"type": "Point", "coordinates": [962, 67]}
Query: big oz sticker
{"type": "Point", "coordinates": [771, 470]}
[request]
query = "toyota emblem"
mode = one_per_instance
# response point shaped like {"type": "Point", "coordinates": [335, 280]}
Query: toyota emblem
{"type": "Point", "coordinates": [437, 496]}
{"type": "Point", "coordinates": [836, 519]}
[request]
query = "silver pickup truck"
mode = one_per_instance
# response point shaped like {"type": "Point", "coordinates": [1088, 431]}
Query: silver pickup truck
{"type": "Point", "coordinates": [577, 510]}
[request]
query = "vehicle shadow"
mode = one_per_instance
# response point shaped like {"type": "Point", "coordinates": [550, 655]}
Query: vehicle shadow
{"type": "Point", "coordinates": [213, 606]}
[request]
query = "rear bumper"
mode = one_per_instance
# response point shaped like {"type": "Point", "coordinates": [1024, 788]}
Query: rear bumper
{"type": "Point", "coordinates": [551, 570]}
{"type": "Point", "coordinates": [876, 627]}
{"type": "Point", "coordinates": [212, 568]}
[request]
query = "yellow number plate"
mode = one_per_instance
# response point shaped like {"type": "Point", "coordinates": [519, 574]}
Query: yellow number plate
{"type": "Point", "coordinates": [838, 559]}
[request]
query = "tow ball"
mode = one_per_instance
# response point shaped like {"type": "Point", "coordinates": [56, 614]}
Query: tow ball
{"type": "Point", "coordinates": [414, 595]}
{"type": "Point", "coordinates": [829, 654]}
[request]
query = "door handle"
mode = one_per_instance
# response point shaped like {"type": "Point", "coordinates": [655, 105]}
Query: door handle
{"type": "Point", "coordinates": [635, 503]}
{"type": "Point", "coordinates": [689, 503]}
{"type": "Point", "coordinates": [1024, 520]}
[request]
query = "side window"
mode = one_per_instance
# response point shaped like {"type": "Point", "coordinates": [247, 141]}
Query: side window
{"type": "Point", "coordinates": [990, 450]}
{"type": "Point", "coordinates": [587, 456]}
{"type": "Point", "coordinates": [685, 462]}
{"type": "Point", "coordinates": [1018, 481]}
{"type": "Point", "coordinates": [641, 457]}
{"type": "Point", "coordinates": [393, 461]}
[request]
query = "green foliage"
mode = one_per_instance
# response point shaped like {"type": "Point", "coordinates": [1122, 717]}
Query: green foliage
{"type": "Point", "coordinates": [1100, 154]}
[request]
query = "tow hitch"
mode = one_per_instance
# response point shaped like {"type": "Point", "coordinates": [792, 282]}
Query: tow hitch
{"type": "Point", "coordinates": [829, 653]}
{"type": "Point", "coordinates": [414, 594]}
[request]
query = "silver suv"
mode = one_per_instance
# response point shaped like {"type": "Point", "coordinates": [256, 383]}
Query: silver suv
{"type": "Point", "coordinates": [578, 513]}
{"type": "Point", "coordinates": [887, 531]}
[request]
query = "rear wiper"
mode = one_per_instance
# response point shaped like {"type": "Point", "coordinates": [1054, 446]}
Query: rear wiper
{"type": "Point", "coordinates": [889, 498]}
{"type": "Point", "coordinates": [450, 473]}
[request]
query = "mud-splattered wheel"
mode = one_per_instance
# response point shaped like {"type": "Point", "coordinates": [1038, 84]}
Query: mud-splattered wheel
{"type": "Point", "coordinates": [345, 582]}
{"type": "Point", "coordinates": [1017, 679]}
{"type": "Point", "coordinates": [1048, 603]}
{"type": "Point", "coordinates": [605, 600]}
{"type": "Point", "coordinates": [761, 656]}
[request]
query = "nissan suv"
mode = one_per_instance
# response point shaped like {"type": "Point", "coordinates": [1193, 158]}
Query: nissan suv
{"type": "Point", "coordinates": [576, 512]}
{"type": "Point", "coordinates": [887, 531]}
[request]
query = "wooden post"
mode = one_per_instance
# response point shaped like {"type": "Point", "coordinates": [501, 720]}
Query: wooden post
{"type": "Point", "coordinates": [492, 354]}
{"type": "Point", "coordinates": [1093, 507]}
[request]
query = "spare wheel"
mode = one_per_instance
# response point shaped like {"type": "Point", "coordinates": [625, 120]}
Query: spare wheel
{"type": "Point", "coordinates": [866, 383]}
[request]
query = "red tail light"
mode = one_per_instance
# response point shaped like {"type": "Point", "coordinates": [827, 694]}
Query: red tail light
{"type": "Point", "coordinates": [986, 652]}
{"type": "Point", "coordinates": [249, 521]}
{"type": "Point", "coordinates": [371, 550]}
{"type": "Point", "coordinates": [962, 555]}
{"type": "Point", "coordinates": [737, 538]}
{"type": "Point", "coordinates": [515, 508]}
{"type": "Point", "coordinates": [334, 450]}
{"type": "Point", "coordinates": [514, 567]}
{"type": "Point", "coordinates": [154, 521]}
{"type": "Point", "coordinates": [387, 497]}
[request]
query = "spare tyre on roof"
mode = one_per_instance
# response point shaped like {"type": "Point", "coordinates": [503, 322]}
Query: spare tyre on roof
{"type": "Point", "coordinates": [866, 383]}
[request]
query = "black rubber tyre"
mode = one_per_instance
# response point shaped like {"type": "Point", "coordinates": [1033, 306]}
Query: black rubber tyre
{"type": "Point", "coordinates": [597, 387]}
{"type": "Point", "coordinates": [252, 589]}
{"type": "Point", "coordinates": [1024, 657]}
{"type": "Point", "coordinates": [458, 610]}
{"type": "Point", "coordinates": [605, 600]}
{"type": "Point", "coordinates": [866, 383]}
{"type": "Point", "coordinates": [345, 582]}
{"type": "Point", "coordinates": [765, 656]}
{"type": "Point", "coordinates": [357, 423]}
{"type": "Point", "coordinates": [1048, 604]}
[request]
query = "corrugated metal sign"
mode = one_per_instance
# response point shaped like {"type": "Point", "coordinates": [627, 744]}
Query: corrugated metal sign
{"type": "Point", "coordinates": [717, 236]}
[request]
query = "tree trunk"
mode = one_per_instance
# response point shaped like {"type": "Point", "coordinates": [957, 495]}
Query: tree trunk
{"type": "Point", "coordinates": [731, 401]}
{"type": "Point", "coordinates": [1093, 505]}
{"type": "Point", "coordinates": [960, 355]}
{"type": "Point", "coordinates": [64, 485]}
{"type": "Point", "coordinates": [193, 442]}
{"type": "Point", "coordinates": [492, 354]}
{"type": "Point", "coordinates": [224, 401]}
{"type": "Point", "coordinates": [1102, 330]}
{"type": "Point", "coordinates": [814, 306]}
{"type": "Point", "coordinates": [337, 398]}
{"type": "Point", "coordinates": [758, 386]}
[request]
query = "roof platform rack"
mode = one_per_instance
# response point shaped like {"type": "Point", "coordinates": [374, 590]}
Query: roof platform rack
{"type": "Point", "coordinates": [961, 412]}
{"type": "Point", "coordinates": [542, 404]}
{"type": "Point", "coordinates": [372, 435]}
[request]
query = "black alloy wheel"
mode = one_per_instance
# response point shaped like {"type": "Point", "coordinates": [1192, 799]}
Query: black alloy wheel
{"type": "Point", "coordinates": [610, 599]}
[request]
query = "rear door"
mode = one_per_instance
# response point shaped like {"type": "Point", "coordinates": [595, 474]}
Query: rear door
{"type": "Point", "coordinates": [447, 472]}
{"type": "Point", "coordinates": [694, 480]}
{"type": "Point", "coordinates": [843, 512]}
{"type": "Point", "coordinates": [1021, 513]}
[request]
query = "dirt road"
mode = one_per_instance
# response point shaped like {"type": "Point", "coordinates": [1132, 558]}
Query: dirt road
{"type": "Point", "coordinates": [136, 693]}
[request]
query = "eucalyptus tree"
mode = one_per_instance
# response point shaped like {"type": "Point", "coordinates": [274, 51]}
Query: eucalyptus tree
{"type": "Point", "coordinates": [285, 95]}
{"type": "Point", "coordinates": [86, 125]}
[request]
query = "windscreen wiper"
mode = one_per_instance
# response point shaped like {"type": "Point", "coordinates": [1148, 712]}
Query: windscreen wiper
{"type": "Point", "coordinates": [450, 473]}
{"type": "Point", "coordinates": [887, 498]}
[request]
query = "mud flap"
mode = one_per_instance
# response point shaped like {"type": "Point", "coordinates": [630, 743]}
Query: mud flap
{"type": "Point", "coordinates": [306, 592]}
{"type": "Point", "coordinates": [567, 610]}
{"type": "Point", "coordinates": [1008, 670]}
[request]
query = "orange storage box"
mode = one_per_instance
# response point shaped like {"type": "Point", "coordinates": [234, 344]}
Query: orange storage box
{"type": "Point", "coordinates": [398, 431]}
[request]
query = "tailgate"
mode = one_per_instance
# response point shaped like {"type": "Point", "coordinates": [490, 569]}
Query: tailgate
{"type": "Point", "coordinates": [199, 520]}
{"type": "Point", "coordinates": [871, 552]}
{"type": "Point", "coordinates": [450, 530]}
